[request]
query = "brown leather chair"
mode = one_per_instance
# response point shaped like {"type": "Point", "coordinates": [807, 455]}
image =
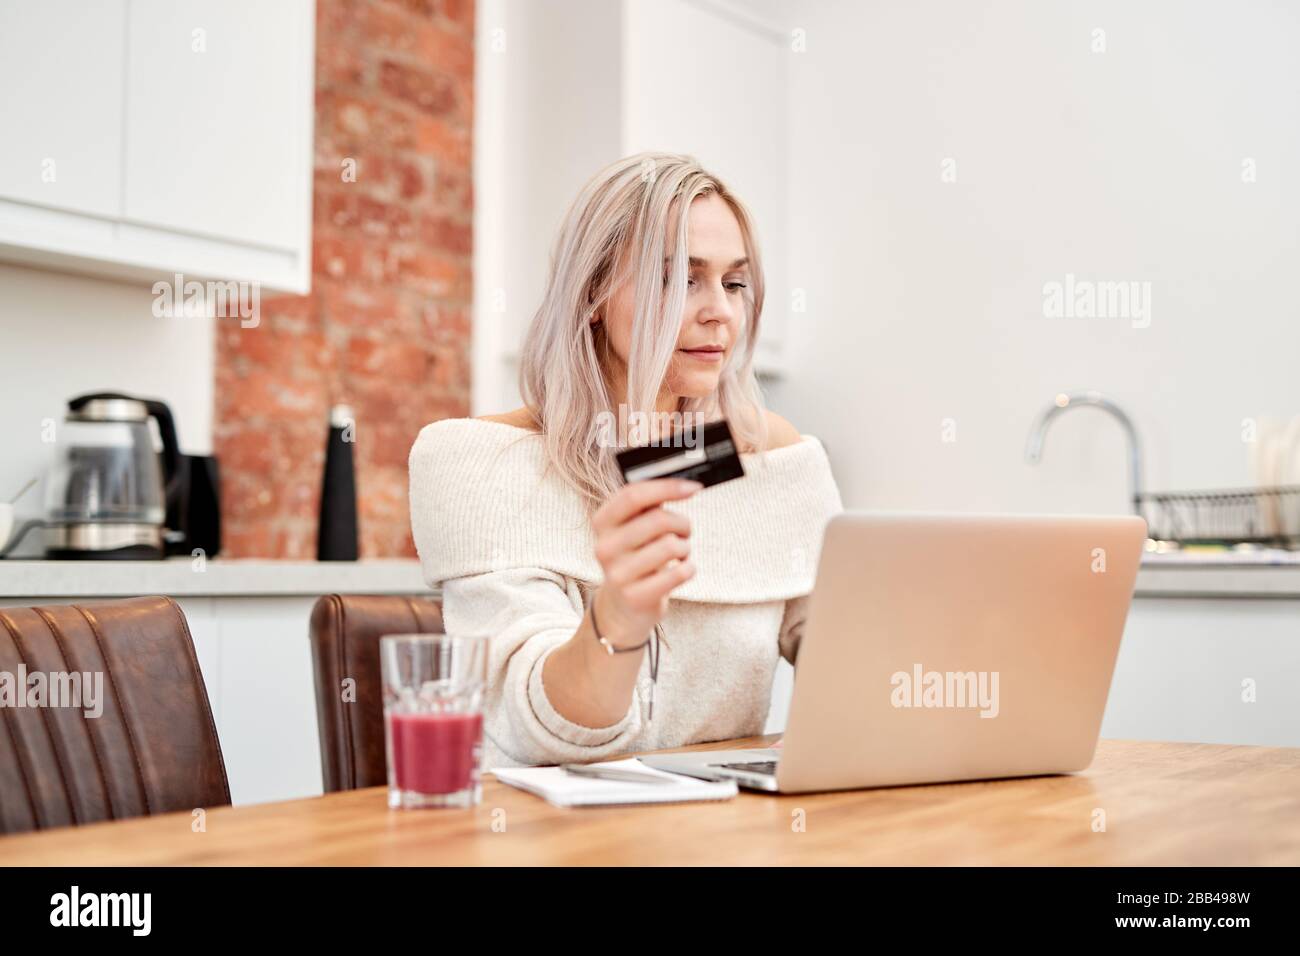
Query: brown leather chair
{"type": "Point", "coordinates": [153, 748]}
{"type": "Point", "coordinates": [345, 633]}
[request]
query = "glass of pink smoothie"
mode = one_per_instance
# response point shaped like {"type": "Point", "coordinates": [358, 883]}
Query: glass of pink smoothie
{"type": "Point", "coordinates": [433, 718]}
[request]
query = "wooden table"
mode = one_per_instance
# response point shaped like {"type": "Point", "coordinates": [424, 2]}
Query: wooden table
{"type": "Point", "coordinates": [1164, 804]}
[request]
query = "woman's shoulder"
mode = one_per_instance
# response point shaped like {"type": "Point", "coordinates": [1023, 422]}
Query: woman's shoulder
{"type": "Point", "coordinates": [780, 433]}
{"type": "Point", "coordinates": [759, 537]}
{"type": "Point", "coordinates": [521, 417]}
{"type": "Point", "coordinates": [487, 430]}
{"type": "Point", "coordinates": [482, 499]}
{"type": "Point", "coordinates": [791, 456]}
{"type": "Point", "coordinates": [464, 448]}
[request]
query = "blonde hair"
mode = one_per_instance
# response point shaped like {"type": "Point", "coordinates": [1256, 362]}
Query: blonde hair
{"type": "Point", "coordinates": [622, 214]}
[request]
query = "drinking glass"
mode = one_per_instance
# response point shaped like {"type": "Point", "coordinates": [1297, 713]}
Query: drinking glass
{"type": "Point", "coordinates": [433, 718]}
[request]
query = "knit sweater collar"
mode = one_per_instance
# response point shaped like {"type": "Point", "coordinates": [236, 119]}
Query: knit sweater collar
{"type": "Point", "coordinates": [481, 501]}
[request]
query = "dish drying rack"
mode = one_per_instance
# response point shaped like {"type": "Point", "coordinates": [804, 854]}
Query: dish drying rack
{"type": "Point", "coordinates": [1265, 517]}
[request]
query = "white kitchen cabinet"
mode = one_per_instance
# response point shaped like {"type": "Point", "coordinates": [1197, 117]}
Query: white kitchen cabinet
{"type": "Point", "coordinates": [61, 111]}
{"type": "Point", "coordinates": [267, 693]}
{"type": "Point", "coordinates": [180, 133]}
{"type": "Point", "coordinates": [1208, 670]}
{"type": "Point", "coordinates": [199, 159]}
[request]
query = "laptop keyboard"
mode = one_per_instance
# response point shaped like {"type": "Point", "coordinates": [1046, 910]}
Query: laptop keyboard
{"type": "Point", "coordinates": [767, 767]}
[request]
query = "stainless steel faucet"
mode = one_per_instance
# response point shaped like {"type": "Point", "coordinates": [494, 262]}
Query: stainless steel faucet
{"type": "Point", "coordinates": [1063, 402]}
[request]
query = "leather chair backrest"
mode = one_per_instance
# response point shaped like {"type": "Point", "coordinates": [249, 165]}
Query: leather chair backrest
{"type": "Point", "coordinates": [345, 633]}
{"type": "Point", "coordinates": [152, 749]}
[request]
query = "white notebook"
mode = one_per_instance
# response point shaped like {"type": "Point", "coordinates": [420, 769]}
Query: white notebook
{"type": "Point", "coordinates": [567, 790]}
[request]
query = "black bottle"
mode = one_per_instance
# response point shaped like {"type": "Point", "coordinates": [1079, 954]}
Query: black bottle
{"type": "Point", "coordinates": [337, 538]}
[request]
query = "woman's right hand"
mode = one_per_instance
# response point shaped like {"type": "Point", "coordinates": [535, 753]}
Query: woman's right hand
{"type": "Point", "coordinates": [644, 550]}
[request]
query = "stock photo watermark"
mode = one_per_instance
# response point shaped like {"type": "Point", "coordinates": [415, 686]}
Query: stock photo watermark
{"type": "Point", "coordinates": [656, 429]}
{"type": "Point", "coordinates": [75, 908]}
{"type": "Point", "coordinates": [41, 689]}
{"type": "Point", "coordinates": [1088, 299]}
{"type": "Point", "coordinates": [956, 690]}
{"type": "Point", "coordinates": [190, 298]}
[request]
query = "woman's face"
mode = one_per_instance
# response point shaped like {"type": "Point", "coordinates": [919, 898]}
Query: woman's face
{"type": "Point", "coordinates": [714, 316]}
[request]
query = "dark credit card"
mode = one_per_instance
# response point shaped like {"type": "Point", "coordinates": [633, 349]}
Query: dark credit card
{"type": "Point", "coordinates": [707, 455]}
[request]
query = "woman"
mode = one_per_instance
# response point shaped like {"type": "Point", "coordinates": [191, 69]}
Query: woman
{"type": "Point", "coordinates": [627, 618]}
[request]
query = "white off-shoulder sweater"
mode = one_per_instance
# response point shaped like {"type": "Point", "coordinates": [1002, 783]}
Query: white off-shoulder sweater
{"type": "Point", "coordinates": [513, 552]}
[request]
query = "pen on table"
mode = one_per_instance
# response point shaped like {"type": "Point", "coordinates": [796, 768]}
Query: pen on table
{"type": "Point", "coordinates": [613, 773]}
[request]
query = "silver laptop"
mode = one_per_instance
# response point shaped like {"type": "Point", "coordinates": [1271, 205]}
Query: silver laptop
{"type": "Point", "coordinates": [947, 647]}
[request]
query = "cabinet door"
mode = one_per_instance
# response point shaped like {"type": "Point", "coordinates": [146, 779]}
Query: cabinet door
{"type": "Point", "coordinates": [218, 134]}
{"type": "Point", "coordinates": [61, 70]}
{"type": "Point", "coordinates": [269, 736]}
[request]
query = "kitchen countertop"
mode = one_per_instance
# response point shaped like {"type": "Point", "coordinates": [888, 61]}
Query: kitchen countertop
{"type": "Point", "coordinates": [1201, 575]}
{"type": "Point", "coordinates": [178, 577]}
{"type": "Point", "coordinates": [1225, 574]}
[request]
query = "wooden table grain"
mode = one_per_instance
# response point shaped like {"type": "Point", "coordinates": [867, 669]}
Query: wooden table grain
{"type": "Point", "coordinates": [1162, 804]}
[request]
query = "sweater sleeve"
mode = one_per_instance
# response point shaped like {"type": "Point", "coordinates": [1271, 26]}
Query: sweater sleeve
{"type": "Point", "coordinates": [526, 613]}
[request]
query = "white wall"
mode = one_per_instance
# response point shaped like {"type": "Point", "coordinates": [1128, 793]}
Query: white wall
{"type": "Point", "coordinates": [62, 335]}
{"type": "Point", "coordinates": [925, 297]}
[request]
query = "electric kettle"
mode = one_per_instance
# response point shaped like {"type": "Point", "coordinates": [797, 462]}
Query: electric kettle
{"type": "Point", "coordinates": [108, 492]}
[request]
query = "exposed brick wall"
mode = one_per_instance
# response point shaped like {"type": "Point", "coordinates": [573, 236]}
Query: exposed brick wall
{"type": "Point", "coordinates": [386, 326]}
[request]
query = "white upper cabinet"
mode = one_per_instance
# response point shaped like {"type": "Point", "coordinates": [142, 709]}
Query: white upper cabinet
{"type": "Point", "coordinates": [143, 138]}
{"type": "Point", "coordinates": [216, 120]}
{"type": "Point", "coordinates": [61, 109]}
